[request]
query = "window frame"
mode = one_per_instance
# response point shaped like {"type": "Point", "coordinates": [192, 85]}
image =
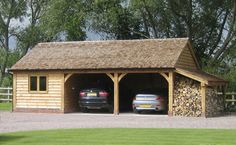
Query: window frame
{"type": "Point", "coordinates": [38, 83]}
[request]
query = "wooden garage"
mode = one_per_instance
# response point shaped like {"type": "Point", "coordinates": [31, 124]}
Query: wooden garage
{"type": "Point", "coordinates": [43, 80]}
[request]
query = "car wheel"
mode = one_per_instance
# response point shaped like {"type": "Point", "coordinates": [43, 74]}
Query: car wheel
{"type": "Point", "coordinates": [84, 110]}
{"type": "Point", "coordinates": [111, 109]}
{"type": "Point", "coordinates": [136, 111]}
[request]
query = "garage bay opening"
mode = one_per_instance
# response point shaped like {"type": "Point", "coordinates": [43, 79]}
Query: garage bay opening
{"type": "Point", "coordinates": [89, 93]}
{"type": "Point", "coordinates": [143, 93]}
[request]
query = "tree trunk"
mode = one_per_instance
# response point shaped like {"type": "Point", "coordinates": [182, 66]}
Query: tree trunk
{"type": "Point", "coordinates": [231, 34]}
{"type": "Point", "coordinates": [188, 20]}
{"type": "Point", "coordinates": [153, 25]}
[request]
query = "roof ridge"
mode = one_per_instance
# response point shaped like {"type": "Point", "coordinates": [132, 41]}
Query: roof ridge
{"type": "Point", "coordinates": [104, 41]}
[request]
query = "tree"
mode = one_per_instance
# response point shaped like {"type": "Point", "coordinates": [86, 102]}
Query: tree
{"type": "Point", "coordinates": [65, 20]}
{"type": "Point", "coordinates": [156, 20]}
{"type": "Point", "coordinates": [114, 19]}
{"type": "Point", "coordinates": [32, 34]}
{"type": "Point", "coordinates": [10, 10]}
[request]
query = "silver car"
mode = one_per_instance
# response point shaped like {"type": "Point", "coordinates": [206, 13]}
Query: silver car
{"type": "Point", "coordinates": [149, 101]}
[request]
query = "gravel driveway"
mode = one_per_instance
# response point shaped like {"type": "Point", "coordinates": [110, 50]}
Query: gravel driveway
{"type": "Point", "coordinates": [11, 122]}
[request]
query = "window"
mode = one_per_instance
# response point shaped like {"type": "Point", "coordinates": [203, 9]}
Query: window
{"type": "Point", "coordinates": [38, 83]}
{"type": "Point", "coordinates": [33, 83]}
{"type": "Point", "coordinates": [42, 83]}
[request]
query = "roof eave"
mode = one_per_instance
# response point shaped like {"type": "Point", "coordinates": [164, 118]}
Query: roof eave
{"type": "Point", "coordinates": [217, 83]}
{"type": "Point", "coordinates": [200, 79]}
{"type": "Point", "coordinates": [101, 70]}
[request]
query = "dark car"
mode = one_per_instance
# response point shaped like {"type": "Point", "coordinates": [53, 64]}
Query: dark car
{"type": "Point", "coordinates": [95, 98]}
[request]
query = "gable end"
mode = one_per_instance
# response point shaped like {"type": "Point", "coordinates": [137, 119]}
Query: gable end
{"type": "Point", "coordinates": [187, 59]}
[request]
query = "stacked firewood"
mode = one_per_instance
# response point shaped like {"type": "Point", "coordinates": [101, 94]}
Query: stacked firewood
{"type": "Point", "coordinates": [214, 103]}
{"type": "Point", "coordinates": [187, 97]}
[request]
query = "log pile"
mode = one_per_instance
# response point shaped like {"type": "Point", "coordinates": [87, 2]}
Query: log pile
{"type": "Point", "coordinates": [214, 103]}
{"type": "Point", "coordinates": [187, 97]}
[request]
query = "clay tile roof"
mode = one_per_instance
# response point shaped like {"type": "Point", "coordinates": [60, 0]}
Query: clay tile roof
{"type": "Point", "coordinates": [111, 54]}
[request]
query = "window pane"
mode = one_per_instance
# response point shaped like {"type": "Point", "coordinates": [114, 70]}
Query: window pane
{"type": "Point", "coordinates": [42, 83]}
{"type": "Point", "coordinates": [33, 83]}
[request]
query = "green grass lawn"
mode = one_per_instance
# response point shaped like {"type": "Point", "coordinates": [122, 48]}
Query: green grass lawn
{"type": "Point", "coordinates": [122, 137]}
{"type": "Point", "coordinates": [5, 106]}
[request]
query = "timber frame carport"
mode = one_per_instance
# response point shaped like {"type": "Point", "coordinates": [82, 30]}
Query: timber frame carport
{"type": "Point", "coordinates": [169, 74]}
{"type": "Point", "coordinates": [58, 61]}
{"type": "Point", "coordinates": [116, 78]}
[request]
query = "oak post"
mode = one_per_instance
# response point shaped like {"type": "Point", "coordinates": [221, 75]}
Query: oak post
{"type": "Point", "coordinates": [63, 93]}
{"type": "Point", "coordinates": [116, 94]}
{"type": "Point", "coordinates": [203, 95]}
{"type": "Point", "coordinates": [171, 93]}
{"type": "Point", "coordinates": [116, 78]}
{"type": "Point", "coordinates": [222, 89]}
{"type": "Point", "coordinates": [14, 92]}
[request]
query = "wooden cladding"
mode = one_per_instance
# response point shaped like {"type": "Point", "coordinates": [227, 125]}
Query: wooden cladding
{"type": "Point", "coordinates": [26, 99]}
{"type": "Point", "coordinates": [186, 60]}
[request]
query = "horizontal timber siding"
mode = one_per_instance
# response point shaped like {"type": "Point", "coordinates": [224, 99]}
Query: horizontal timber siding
{"type": "Point", "coordinates": [186, 60]}
{"type": "Point", "coordinates": [50, 100]}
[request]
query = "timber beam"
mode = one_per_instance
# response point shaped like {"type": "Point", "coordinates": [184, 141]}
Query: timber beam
{"type": "Point", "coordinates": [67, 76]}
{"type": "Point", "coordinates": [170, 79]}
{"type": "Point", "coordinates": [203, 96]}
{"type": "Point", "coordinates": [116, 78]}
{"type": "Point", "coordinates": [171, 93]}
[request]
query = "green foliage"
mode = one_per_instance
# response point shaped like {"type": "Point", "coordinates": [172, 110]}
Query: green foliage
{"type": "Point", "coordinates": [28, 38]}
{"type": "Point", "coordinates": [9, 10]}
{"type": "Point", "coordinates": [32, 33]}
{"type": "Point", "coordinates": [2, 54]}
{"type": "Point", "coordinates": [114, 19]}
{"type": "Point", "coordinates": [7, 81]}
{"type": "Point", "coordinates": [65, 18]}
{"type": "Point", "coordinates": [13, 8]}
{"type": "Point", "coordinates": [13, 57]}
{"type": "Point", "coordinates": [226, 71]}
{"type": "Point", "coordinates": [231, 77]}
{"type": "Point", "coordinates": [156, 18]}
